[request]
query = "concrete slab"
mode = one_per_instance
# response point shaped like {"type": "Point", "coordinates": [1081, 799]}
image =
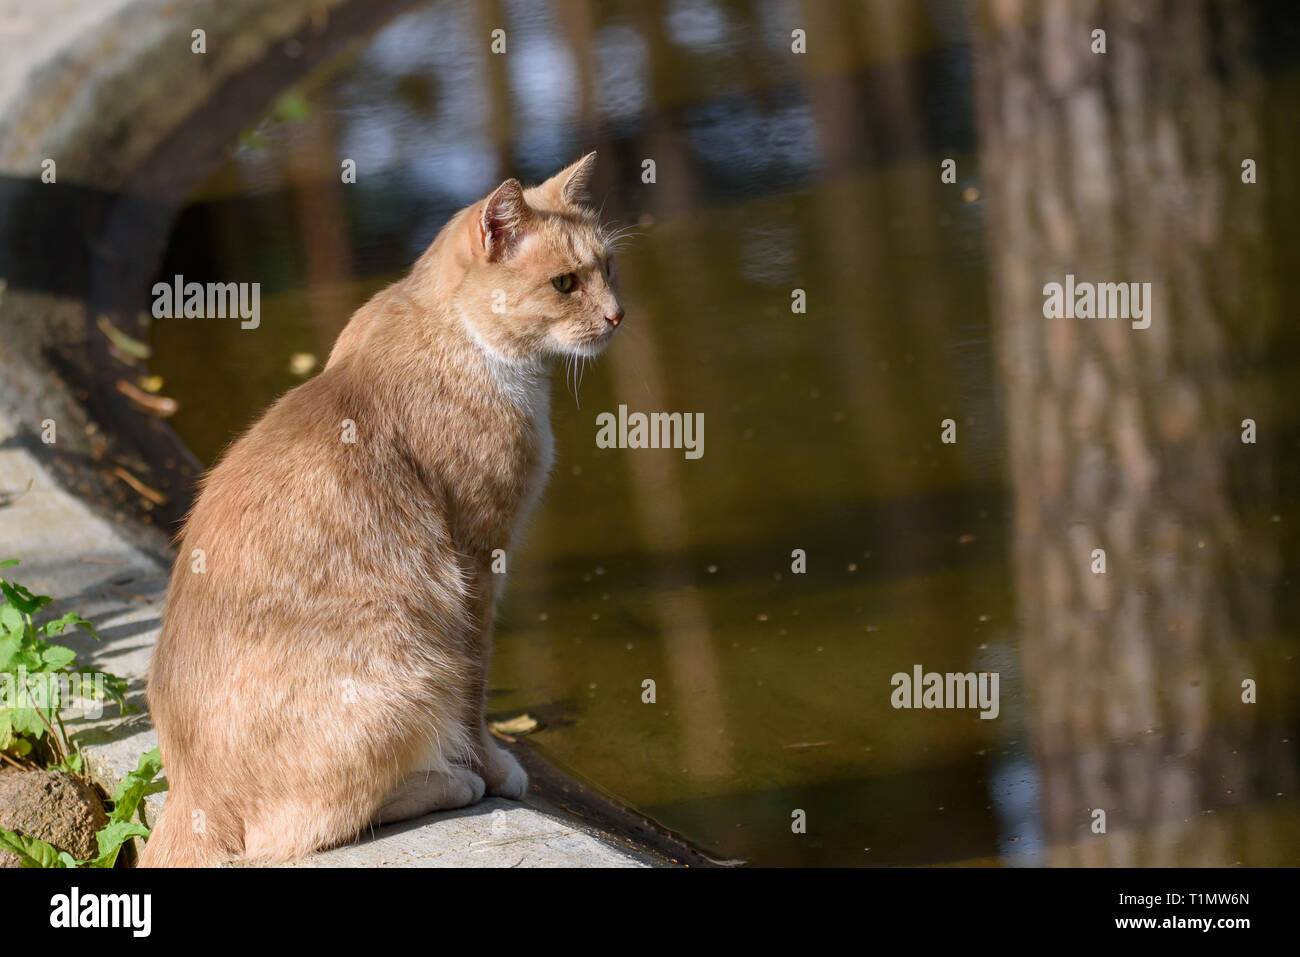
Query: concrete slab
{"type": "Point", "coordinates": [493, 833]}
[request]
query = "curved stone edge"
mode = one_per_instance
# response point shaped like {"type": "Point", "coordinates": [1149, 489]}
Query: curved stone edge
{"type": "Point", "coordinates": [101, 84]}
{"type": "Point", "coordinates": [111, 91]}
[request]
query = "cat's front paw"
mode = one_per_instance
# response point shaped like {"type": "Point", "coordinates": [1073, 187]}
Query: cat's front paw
{"type": "Point", "coordinates": [424, 792]}
{"type": "Point", "coordinates": [505, 777]}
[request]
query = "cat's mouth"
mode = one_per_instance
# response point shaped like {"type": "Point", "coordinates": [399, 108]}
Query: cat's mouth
{"type": "Point", "coordinates": [595, 344]}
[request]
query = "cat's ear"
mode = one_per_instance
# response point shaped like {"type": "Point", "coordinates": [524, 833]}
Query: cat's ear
{"type": "Point", "coordinates": [569, 185]}
{"type": "Point", "coordinates": [504, 219]}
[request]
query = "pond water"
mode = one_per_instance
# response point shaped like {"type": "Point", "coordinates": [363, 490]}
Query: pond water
{"type": "Point", "coordinates": [822, 439]}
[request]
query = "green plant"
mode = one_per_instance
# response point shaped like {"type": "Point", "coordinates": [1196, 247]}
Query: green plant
{"type": "Point", "coordinates": [134, 788]}
{"type": "Point", "coordinates": [34, 680]}
{"type": "Point", "coordinates": [34, 674]}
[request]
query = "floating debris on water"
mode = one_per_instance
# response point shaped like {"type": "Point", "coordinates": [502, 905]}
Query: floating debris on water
{"type": "Point", "coordinates": [513, 728]}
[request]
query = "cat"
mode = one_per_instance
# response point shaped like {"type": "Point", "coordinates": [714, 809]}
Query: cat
{"type": "Point", "coordinates": [324, 651]}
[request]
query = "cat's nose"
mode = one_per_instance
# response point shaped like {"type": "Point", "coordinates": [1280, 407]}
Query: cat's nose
{"type": "Point", "coordinates": [616, 318]}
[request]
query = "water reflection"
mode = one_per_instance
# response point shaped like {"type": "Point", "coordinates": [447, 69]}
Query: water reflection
{"type": "Point", "coordinates": [1130, 441]}
{"type": "Point", "coordinates": [1119, 692]}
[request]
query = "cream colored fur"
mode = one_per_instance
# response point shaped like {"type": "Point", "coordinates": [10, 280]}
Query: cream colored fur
{"type": "Point", "coordinates": [327, 670]}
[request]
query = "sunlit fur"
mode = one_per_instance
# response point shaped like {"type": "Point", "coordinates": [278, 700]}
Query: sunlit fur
{"type": "Point", "coordinates": [328, 669]}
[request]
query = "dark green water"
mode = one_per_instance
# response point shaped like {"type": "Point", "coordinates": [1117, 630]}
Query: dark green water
{"type": "Point", "coordinates": [822, 433]}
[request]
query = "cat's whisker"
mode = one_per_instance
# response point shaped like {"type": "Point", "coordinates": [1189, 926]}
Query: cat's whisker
{"type": "Point", "coordinates": [614, 235]}
{"type": "Point", "coordinates": [623, 240]}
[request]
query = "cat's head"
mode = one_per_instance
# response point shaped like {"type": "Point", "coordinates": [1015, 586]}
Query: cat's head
{"type": "Point", "coordinates": [540, 281]}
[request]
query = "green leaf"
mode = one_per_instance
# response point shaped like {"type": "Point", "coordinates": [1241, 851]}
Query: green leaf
{"type": "Point", "coordinates": [133, 787]}
{"type": "Point", "coordinates": [57, 626]}
{"type": "Point", "coordinates": [11, 620]}
{"type": "Point", "coordinates": [112, 837]}
{"type": "Point", "coordinates": [9, 646]}
{"type": "Point", "coordinates": [26, 721]}
{"type": "Point", "coordinates": [56, 656]}
{"type": "Point", "coordinates": [9, 561]}
{"type": "Point", "coordinates": [72, 764]}
{"type": "Point", "coordinates": [28, 657]}
{"type": "Point", "coordinates": [22, 599]}
{"type": "Point", "coordinates": [33, 852]}
{"type": "Point", "coordinates": [130, 792]}
{"type": "Point", "coordinates": [114, 688]}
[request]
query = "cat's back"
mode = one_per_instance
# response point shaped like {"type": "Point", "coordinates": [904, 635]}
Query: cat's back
{"type": "Point", "coordinates": [301, 456]}
{"type": "Point", "coordinates": [314, 500]}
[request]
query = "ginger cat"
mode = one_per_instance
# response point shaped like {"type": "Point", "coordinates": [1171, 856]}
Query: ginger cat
{"type": "Point", "coordinates": [324, 652]}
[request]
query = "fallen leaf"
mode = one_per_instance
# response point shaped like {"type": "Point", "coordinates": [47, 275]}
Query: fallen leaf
{"type": "Point", "coordinates": [518, 725]}
{"type": "Point", "coordinates": [152, 495]}
{"type": "Point", "coordinates": [159, 405]}
{"type": "Point", "coordinates": [132, 347]}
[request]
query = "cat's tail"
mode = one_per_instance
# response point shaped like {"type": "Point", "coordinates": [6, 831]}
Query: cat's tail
{"type": "Point", "coordinates": [181, 838]}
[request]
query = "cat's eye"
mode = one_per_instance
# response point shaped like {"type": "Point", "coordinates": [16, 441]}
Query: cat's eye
{"type": "Point", "coordinates": [564, 283]}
